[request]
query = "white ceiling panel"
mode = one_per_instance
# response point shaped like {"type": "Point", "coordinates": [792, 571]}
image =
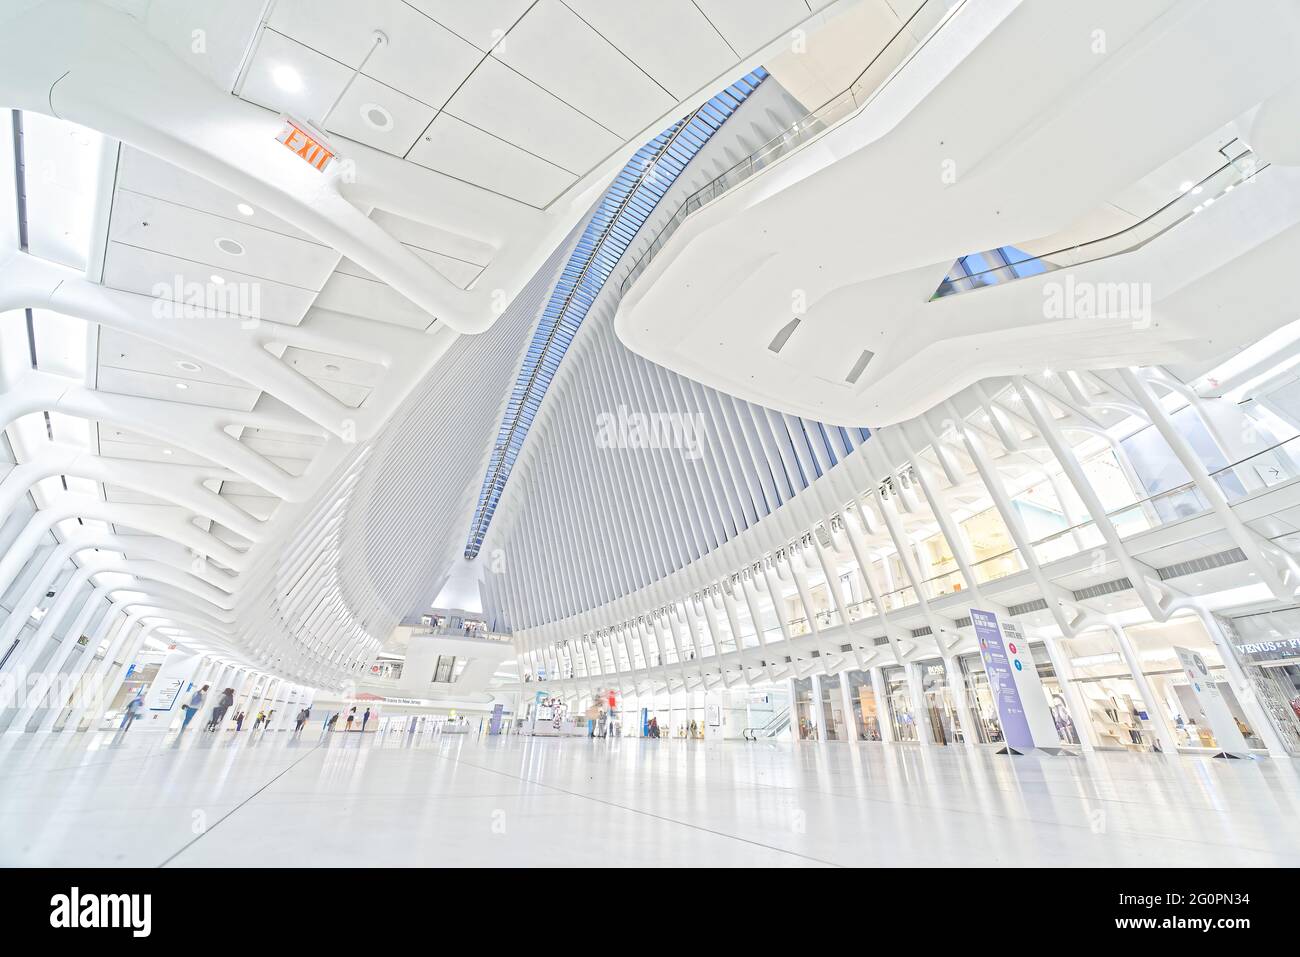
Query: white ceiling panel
{"type": "Point", "coordinates": [556, 49]}
{"type": "Point", "coordinates": [433, 238]}
{"type": "Point", "coordinates": [174, 388]}
{"type": "Point", "coordinates": [371, 299]}
{"type": "Point", "coordinates": [754, 23]}
{"type": "Point", "coordinates": [454, 147]}
{"type": "Point", "coordinates": [185, 233]}
{"type": "Point", "coordinates": [457, 271]}
{"type": "Point", "coordinates": [482, 22]}
{"type": "Point", "coordinates": [421, 57]}
{"type": "Point", "coordinates": [115, 442]}
{"type": "Point", "coordinates": [379, 116]}
{"type": "Point", "coordinates": [670, 39]}
{"type": "Point", "coordinates": [147, 273]}
{"type": "Point", "coordinates": [139, 172]}
{"type": "Point", "coordinates": [320, 79]}
{"type": "Point", "coordinates": [323, 367]}
{"type": "Point", "coordinates": [508, 105]}
{"type": "Point", "coordinates": [132, 353]}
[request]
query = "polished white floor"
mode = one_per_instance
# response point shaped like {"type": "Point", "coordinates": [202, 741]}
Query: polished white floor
{"type": "Point", "coordinates": [149, 799]}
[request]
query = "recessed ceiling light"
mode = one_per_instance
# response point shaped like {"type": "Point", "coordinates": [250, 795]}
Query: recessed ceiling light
{"type": "Point", "coordinates": [331, 367]}
{"type": "Point", "coordinates": [1047, 373]}
{"type": "Point", "coordinates": [230, 247]}
{"type": "Point", "coordinates": [1196, 191]}
{"type": "Point", "coordinates": [376, 117]}
{"type": "Point", "coordinates": [1185, 185]}
{"type": "Point", "coordinates": [167, 451]}
{"type": "Point", "coordinates": [182, 385]}
{"type": "Point", "coordinates": [287, 78]}
{"type": "Point", "coordinates": [188, 366]}
{"type": "Point", "coordinates": [217, 280]}
{"type": "Point", "coordinates": [244, 209]}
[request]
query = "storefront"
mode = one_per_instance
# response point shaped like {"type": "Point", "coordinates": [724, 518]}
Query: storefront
{"type": "Point", "coordinates": [862, 698]}
{"type": "Point", "coordinates": [988, 729]}
{"type": "Point", "coordinates": [833, 716]}
{"type": "Point", "coordinates": [1124, 714]}
{"type": "Point", "coordinates": [940, 710]}
{"type": "Point", "coordinates": [899, 700]}
{"type": "Point", "coordinates": [1267, 646]}
{"type": "Point", "coordinates": [1117, 710]}
{"type": "Point", "coordinates": [805, 710]}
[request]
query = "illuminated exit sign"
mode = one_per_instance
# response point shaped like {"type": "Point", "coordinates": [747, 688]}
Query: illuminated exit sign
{"type": "Point", "coordinates": [306, 142]}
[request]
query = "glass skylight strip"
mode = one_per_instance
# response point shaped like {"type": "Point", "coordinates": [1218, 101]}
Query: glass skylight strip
{"type": "Point", "coordinates": [628, 201]}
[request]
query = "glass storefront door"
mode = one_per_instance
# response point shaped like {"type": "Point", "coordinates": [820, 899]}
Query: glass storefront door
{"type": "Point", "coordinates": [832, 709]}
{"type": "Point", "coordinates": [979, 699]}
{"type": "Point", "coordinates": [941, 713]}
{"type": "Point", "coordinates": [863, 699]}
{"type": "Point", "coordinates": [900, 705]}
{"type": "Point", "coordinates": [805, 710]}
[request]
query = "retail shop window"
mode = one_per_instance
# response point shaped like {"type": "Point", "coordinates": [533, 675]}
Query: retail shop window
{"type": "Point", "coordinates": [940, 708]}
{"type": "Point", "coordinates": [1155, 645]}
{"type": "Point", "coordinates": [979, 697]}
{"type": "Point", "coordinates": [900, 705]}
{"type": "Point", "coordinates": [862, 698]}
{"type": "Point", "coordinates": [1267, 645]}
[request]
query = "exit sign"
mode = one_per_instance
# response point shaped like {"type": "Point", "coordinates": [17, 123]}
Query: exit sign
{"type": "Point", "coordinates": [306, 142]}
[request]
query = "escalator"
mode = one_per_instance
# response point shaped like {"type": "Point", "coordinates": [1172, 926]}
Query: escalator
{"type": "Point", "coordinates": [780, 721]}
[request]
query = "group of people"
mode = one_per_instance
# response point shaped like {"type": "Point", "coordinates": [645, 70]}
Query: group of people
{"type": "Point", "coordinates": [352, 718]}
{"type": "Point", "coordinates": [218, 715]}
{"type": "Point", "coordinates": [194, 704]}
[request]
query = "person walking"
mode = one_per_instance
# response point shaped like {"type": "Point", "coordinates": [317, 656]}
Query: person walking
{"type": "Point", "coordinates": [299, 721]}
{"type": "Point", "coordinates": [223, 705]}
{"type": "Point", "coordinates": [239, 721]}
{"type": "Point", "coordinates": [352, 715]}
{"type": "Point", "coordinates": [133, 709]}
{"type": "Point", "coordinates": [365, 718]}
{"type": "Point", "coordinates": [257, 722]}
{"type": "Point", "coordinates": [191, 707]}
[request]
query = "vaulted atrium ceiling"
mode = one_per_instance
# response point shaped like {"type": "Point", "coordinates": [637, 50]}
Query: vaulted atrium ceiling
{"type": "Point", "coordinates": [205, 339]}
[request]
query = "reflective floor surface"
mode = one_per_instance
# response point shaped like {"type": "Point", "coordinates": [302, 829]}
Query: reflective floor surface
{"type": "Point", "coordinates": [152, 799]}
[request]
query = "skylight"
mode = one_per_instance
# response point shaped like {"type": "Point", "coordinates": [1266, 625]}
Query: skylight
{"type": "Point", "coordinates": [624, 208]}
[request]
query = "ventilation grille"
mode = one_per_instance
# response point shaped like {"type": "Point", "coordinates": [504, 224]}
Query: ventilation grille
{"type": "Point", "coordinates": [1105, 588]}
{"type": "Point", "coordinates": [1231, 557]}
{"type": "Point", "coordinates": [1038, 604]}
{"type": "Point", "coordinates": [963, 622]}
{"type": "Point", "coordinates": [922, 632]}
{"type": "Point", "coordinates": [783, 336]}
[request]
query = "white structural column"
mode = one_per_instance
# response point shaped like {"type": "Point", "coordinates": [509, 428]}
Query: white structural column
{"type": "Point", "coordinates": [75, 684]}
{"type": "Point", "coordinates": [846, 702]}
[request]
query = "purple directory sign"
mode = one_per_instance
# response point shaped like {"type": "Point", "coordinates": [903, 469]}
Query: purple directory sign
{"type": "Point", "coordinates": [1002, 684]}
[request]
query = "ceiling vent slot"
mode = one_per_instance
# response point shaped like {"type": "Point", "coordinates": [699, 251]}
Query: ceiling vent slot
{"type": "Point", "coordinates": [783, 336]}
{"type": "Point", "coordinates": [859, 367]}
